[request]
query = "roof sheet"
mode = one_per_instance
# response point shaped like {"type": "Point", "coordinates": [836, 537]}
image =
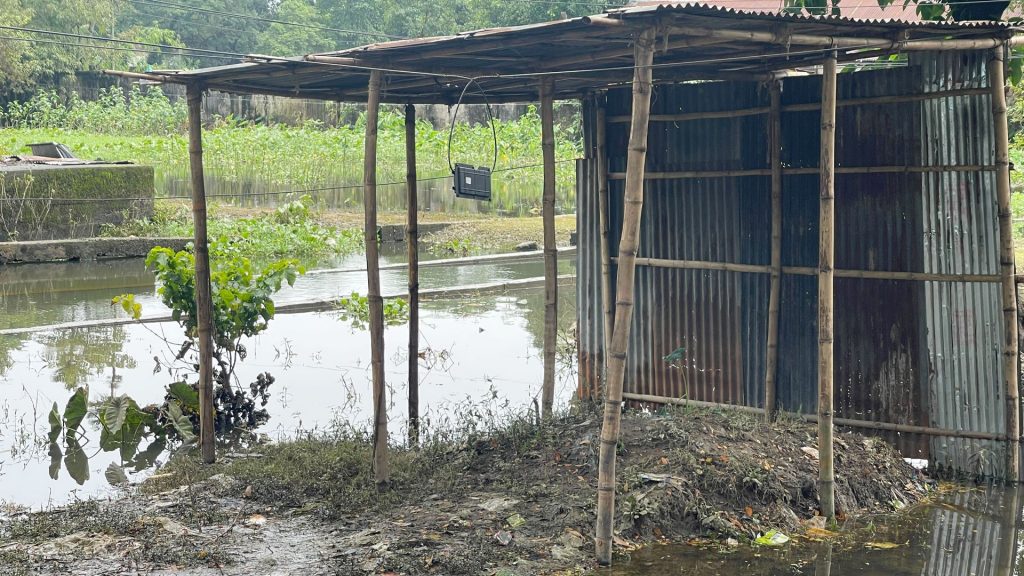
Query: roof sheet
{"type": "Point", "coordinates": [697, 41]}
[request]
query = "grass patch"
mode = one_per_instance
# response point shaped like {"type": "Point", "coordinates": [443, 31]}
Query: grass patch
{"type": "Point", "coordinates": [496, 235]}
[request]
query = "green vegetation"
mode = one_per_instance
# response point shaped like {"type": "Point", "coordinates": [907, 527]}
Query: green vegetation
{"type": "Point", "coordinates": [262, 161]}
{"type": "Point", "coordinates": [355, 309]}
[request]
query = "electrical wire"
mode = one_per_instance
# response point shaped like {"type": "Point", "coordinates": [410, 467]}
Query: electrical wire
{"type": "Point", "coordinates": [120, 41]}
{"type": "Point", "coordinates": [113, 48]}
{"type": "Point", "coordinates": [490, 117]}
{"type": "Point", "coordinates": [163, 4]}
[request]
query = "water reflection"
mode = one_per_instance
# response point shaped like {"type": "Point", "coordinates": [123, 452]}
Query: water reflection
{"type": "Point", "coordinates": [963, 532]}
{"type": "Point", "coordinates": [76, 355]}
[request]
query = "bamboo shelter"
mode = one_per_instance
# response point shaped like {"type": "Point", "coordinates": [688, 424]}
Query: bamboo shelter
{"type": "Point", "coordinates": [775, 213]}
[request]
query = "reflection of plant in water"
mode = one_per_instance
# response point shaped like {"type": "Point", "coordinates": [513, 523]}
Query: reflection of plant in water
{"type": "Point", "coordinates": [77, 354]}
{"type": "Point", "coordinates": [355, 309]}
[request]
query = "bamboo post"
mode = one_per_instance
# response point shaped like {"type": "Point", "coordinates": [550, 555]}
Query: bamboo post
{"type": "Point", "coordinates": [373, 296]}
{"type": "Point", "coordinates": [608, 311]}
{"type": "Point", "coordinates": [997, 82]}
{"type": "Point", "coordinates": [204, 302]}
{"type": "Point", "coordinates": [775, 159]}
{"type": "Point", "coordinates": [826, 257]}
{"type": "Point", "coordinates": [412, 240]}
{"type": "Point", "coordinates": [547, 89]}
{"type": "Point", "coordinates": [628, 245]}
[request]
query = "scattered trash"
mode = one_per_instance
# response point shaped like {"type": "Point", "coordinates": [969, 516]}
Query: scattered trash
{"type": "Point", "coordinates": [504, 537]}
{"type": "Point", "coordinates": [515, 520]}
{"type": "Point", "coordinates": [256, 520]}
{"type": "Point", "coordinates": [882, 545]}
{"type": "Point", "coordinates": [498, 504]}
{"type": "Point", "coordinates": [732, 542]}
{"type": "Point", "coordinates": [812, 452]}
{"type": "Point", "coordinates": [771, 538]}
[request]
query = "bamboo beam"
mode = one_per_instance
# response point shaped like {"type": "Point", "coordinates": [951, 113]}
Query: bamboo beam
{"type": "Point", "coordinates": [1010, 355]}
{"type": "Point", "coordinates": [628, 244]}
{"type": "Point", "coordinates": [547, 122]}
{"type": "Point", "coordinates": [412, 243]}
{"type": "Point", "coordinates": [826, 259]}
{"type": "Point", "coordinates": [608, 310]}
{"type": "Point", "coordinates": [201, 253]}
{"type": "Point", "coordinates": [381, 470]}
{"type": "Point", "coordinates": [847, 422]}
{"type": "Point", "coordinates": [809, 271]}
{"type": "Point", "coordinates": [775, 161]}
{"type": "Point", "coordinates": [811, 106]}
{"type": "Point", "coordinates": [691, 174]}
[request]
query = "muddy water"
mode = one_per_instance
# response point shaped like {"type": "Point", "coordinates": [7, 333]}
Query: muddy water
{"type": "Point", "coordinates": [963, 533]}
{"type": "Point", "coordinates": [479, 353]}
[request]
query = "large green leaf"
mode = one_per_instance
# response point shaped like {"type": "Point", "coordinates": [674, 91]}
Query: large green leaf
{"type": "Point", "coordinates": [114, 411]}
{"type": "Point", "coordinates": [55, 423]}
{"type": "Point", "coordinates": [55, 457]}
{"type": "Point", "coordinates": [76, 462]}
{"type": "Point", "coordinates": [115, 475]}
{"type": "Point", "coordinates": [185, 395]}
{"type": "Point", "coordinates": [75, 411]}
{"type": "Point", "coordinates": [180, 422]}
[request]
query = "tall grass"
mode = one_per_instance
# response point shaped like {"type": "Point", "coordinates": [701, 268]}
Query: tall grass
{"type": "Point", "coordinates": [253, 160]}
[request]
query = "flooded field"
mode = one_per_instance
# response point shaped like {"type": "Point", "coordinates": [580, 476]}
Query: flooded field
{"type": "Point", "coordinates": [479, 350]}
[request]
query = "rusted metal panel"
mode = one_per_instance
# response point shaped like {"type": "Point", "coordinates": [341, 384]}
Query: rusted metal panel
{"type": "Point", "coordinates": [915, 353]}
{"type": "Point", "coordinates": [961, 234]}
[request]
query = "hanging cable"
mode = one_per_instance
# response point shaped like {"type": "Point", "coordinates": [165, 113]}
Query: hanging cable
{"type": "Point", "coordinates": [490, 117]}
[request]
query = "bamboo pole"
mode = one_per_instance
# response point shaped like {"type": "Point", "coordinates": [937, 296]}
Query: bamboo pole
{"type": "Point", "coordinates": [412, 243]}
{"type": "Point", "coordinates": [1009, 349]}
{"type": "Point", "coordinates": [810, 106]}
{"type": "Point", "coordinates": [848, 422]}
{"type": "Point", "coordinates": [691, 174]}
{"type": "Point", "coordinates": [826, 259]}
{"type": "Point", "coordinates": [608, 311]}
{"type": "Point", "coordinates": [547, 123]}
{"type": "Point", "coordinates": [628, 245]}
{"type": "Point", "coordinates": [775, 160]}
{"type": "Point", "coordinates": [204, 301]}
{"type": "Point", "coordinates": [381, 470]}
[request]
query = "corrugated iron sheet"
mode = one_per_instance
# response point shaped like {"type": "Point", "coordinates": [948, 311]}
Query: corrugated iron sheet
{"type": "Point", "coordinates": [913, 353]}
{"type": "Point", "coordinates": [961, 235]}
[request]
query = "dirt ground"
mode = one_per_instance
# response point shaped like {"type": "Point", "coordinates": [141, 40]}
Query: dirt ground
{"type": "Point", "coordinates": [511, 501]}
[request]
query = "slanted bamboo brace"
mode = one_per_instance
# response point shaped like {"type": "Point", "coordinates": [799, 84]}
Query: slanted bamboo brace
{"type": "Point", "coordinates": [848, 422]}
{"type": "Point", "coordinates": [547, 122]}
{"type": "Point", "coordinates": [381, 470]}
{"type": "Point", "coordinates": [201, 253]}
{"type": "Point", "coordinates": [754, 172]}
{"type": "Point", "coordinates": [605, 249]}
{"type": "Point", "coordinates": [1009, 297]}
{"type": "Point", "coordinates": [412, 245]}
{"type": "Point", "coordinates": [826, 260]}
{"type": "Point", "coordinates": [775, 161]}
{"type": "Point", "coordinates": [811, 106]}
{"type": "Point", "coordinates": [628, 244]}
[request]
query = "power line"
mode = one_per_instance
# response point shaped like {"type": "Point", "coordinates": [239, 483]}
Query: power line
{"type": "Point", "coordinates": [113, 48]}
{"type": "Point", "coordinates": [120, 41]}
{"type": "Point", "coordinates": [163, 4]}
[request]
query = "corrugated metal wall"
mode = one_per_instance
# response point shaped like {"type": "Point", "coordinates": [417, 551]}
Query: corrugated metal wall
{"type": "Point", "coordinates": [905, 352]}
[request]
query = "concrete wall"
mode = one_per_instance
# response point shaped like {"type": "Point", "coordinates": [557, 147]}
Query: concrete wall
{"type": "Point", "coordinates": [58, 202]}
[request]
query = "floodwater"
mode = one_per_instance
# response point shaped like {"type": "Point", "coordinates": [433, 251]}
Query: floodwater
{"type": "Point", "coordinates": [479, 353]}
{"type": "Point", "coordinates": [967, 532]}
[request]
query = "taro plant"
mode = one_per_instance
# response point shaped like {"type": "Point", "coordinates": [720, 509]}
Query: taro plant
{"type": "Point", "coordinates": [242, 307]}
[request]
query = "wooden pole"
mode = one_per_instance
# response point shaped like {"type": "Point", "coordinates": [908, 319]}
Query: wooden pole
{"type": "Point", "coordinates": [628, 245]}
{"type": "Point", "coordinates": [826, 261]}
{"type": "Point", "coordinates": [607, 308]}
{"type": "Point", "coordinates": [775, 160]}
{"type": "Point", "coordinates": [412, 241]}
{"type": "Point", "coordinates": [381, 471]}
{"type": "Point", "coordinates": [1009, 349]}
{"type": "Point", "coordinates": [547, 122]}
{"type": "Point", "coordinates": [204, 302]}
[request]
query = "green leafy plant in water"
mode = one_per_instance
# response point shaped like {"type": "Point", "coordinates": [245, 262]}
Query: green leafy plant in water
{"type": "Point", "coordinates": [355, 309]}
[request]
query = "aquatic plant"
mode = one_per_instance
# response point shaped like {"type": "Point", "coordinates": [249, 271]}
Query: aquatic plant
{"type": "Point", "coordinates": [355, 309]}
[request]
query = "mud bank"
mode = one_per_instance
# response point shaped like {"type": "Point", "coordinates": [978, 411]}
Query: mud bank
{"type": "Point", "coordinates": [511, 501]}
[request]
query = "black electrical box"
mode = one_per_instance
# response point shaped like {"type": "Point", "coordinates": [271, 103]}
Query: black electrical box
{"type": "Point", "coordinates": [472, 183]}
